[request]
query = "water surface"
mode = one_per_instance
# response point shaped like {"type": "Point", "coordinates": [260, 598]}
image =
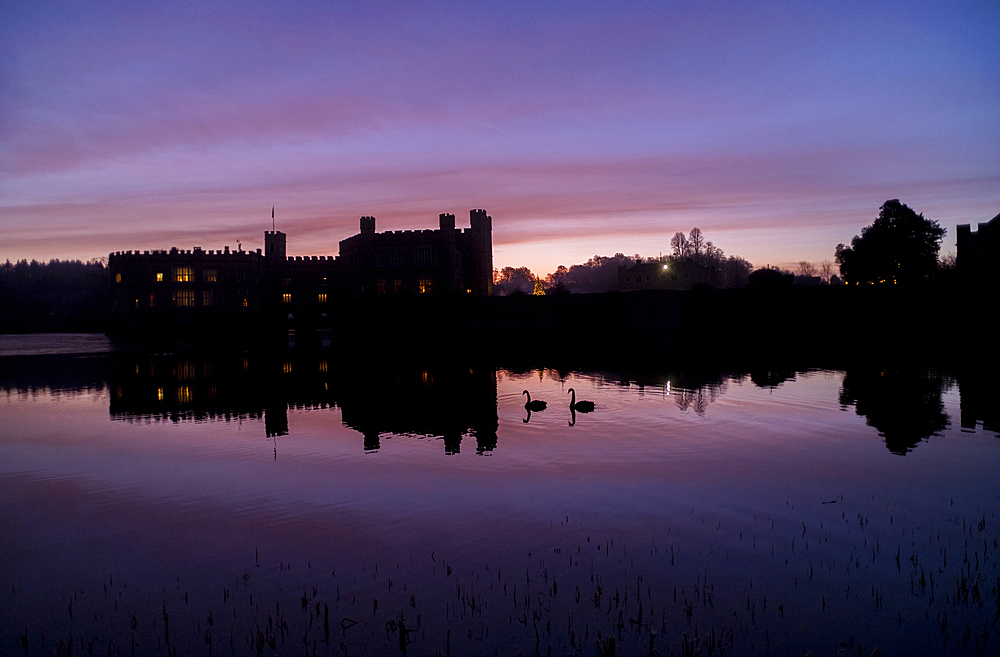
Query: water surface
{"type": "Point", "coordinates": [191, 501]}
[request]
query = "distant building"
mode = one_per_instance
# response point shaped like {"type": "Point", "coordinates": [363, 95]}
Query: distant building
{"type": "Point", "coordinates": [680, 274]}
{"type": "Point", "coordinates": [978, 256]}
{"type": "Point", "coordinates": [153, 289]}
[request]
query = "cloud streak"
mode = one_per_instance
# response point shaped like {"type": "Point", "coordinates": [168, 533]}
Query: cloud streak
{"type": "Point", "coordinates": [579, 122]}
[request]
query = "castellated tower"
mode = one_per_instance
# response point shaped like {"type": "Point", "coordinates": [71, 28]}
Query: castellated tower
{"type": "Point", "coordinates": [482, 250]}
{"type": "Point", "coordinates": [274, 245]}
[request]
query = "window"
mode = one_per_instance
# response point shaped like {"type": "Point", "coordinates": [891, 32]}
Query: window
{"type": "Point", "coordinates": [286, 297]}
{"type": "Point", "coordinates": [209, 275]}
{"type": "Point", "coordinates": [184, 371]}
{"type": "Point", "coordinates": [397, 285]}
{"type": "Point", "coordinates": [159, 277]}
{"type": "Point", "coordinates": [137, 302]}
{"type": "Point", "coordinates": [241, 275]}
{"type": "Point", "coordinates": [183, 274]}
{"type": "Point", "coordinates": [152, 301]}
{"type": "Point", "coordinates": [394, 259]}
{"type": "Point", "coordinates": [286, 282]}
{"type": "Point", "coordinates": [322, 297]}
{"type": "Point", "coordinates": [118, 278]}
{"type": "Point", "coordinates": [425, 285]}
{"type": "Point", "coordinates": [380, 260]}
{"type": "Point", "coordinates": [206, 297]}
{"type": "Point", "coordinates": [245, 303]}
{"type": "Point", "coordinates": [426, 256]}
{"type": "Point", "coordinates": [184, 298]}
{"type": "Point", "coordinates": [184, 395]}
{"type": "Point", "coordinates": [380, 285]}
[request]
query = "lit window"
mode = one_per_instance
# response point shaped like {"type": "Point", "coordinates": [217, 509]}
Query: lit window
{"type": "Point", "coordinates": [183, 274]}
{"type": "Point", "coordinates": [184, 371]}
{"type": "Point", "coordinates": [118, 278]}
{"type": "Point", "coordinates": [159, 277]}
{"type": "Point", "coordinates": [397, 285]}
{"type": "Point", "coordinates": [159, 394]}
{"type": "Point", "coordinates": [152, 300]}
{"type": "Point", "coordinates": [322, 297]}
{"type": "Point", "coordinates": [286, 297]}
{"type": "Point", "coordinates": [206, 297]}
{"type": "Point", "coordinates": [184, 298]}
{"type": "Point", "coordinates": [209, 275]}
{"type": "Point", "coordinates": [184, 395]}
{"type": "Point", "coordinates": [287, 368]}
{"type": "Point", "coordinates": [468, 290]}
{"type": "Point", "coordinates": [380, 285]}
{"type": "Point", "coordinates": [425, 286]}
{"type": "Point", "coordinates": [245, 303]}
{"type": "Point", "coordinates": [136, 303]}
{"type": "Point", "coordinates": [322, 366]}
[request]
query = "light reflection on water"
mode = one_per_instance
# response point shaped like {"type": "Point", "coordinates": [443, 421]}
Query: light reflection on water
{"type": "Point", "coordinates": [760, 509]}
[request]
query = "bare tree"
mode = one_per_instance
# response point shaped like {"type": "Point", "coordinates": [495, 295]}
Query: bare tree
{"type": "Point", "coordinates": [826, 270]}
{"type": "Point", "coordinates": [697, 241]}
{"type": "Point", "coordinates": [806, 268]}
{"type": "Point", "coordinates": [679, 243]}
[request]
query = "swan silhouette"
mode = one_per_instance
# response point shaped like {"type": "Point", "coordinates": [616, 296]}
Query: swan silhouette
{"type": "Point", "coordinates": [537, 405]}
{"type": "Point", "coordinates": [582, 406]}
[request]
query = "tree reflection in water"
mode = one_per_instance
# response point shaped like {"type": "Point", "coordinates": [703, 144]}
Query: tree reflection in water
{"type": "Point", "coordinates": [903, 404]}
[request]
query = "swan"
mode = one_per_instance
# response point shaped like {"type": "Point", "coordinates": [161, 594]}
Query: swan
{"type": "Point", "coordinates": [583, 405]}
{"type": "Point", "coordinates": [537, 405]}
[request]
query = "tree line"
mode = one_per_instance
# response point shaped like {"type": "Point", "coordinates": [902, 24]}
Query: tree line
{"type": "Point", "coordinates": [63, 295]}
{"type": "Point", "coordinates": [600, 273]}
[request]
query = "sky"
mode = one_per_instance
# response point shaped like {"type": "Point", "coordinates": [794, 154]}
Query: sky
{"type": "Point", "coordinates": [583, 128]}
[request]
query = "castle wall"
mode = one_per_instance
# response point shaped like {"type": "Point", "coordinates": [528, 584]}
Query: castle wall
{"type": "Point", "coordinates": [182, 287]}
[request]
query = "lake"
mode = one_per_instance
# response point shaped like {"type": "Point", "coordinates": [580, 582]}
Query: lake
{"type": "Point", "coordinates": [175, 499]}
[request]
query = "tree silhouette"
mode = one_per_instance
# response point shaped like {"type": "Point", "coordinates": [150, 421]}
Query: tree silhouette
{"type": "Point", "coordinates": [900, 247]}
{"type": "Point", "coordinates": [697, 241]}
{"type": "Point", "coordinates": [679, 243]}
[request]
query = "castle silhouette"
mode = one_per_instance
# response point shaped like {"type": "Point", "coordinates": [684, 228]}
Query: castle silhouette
{"type": "Point", "coordinates": [214, 289]}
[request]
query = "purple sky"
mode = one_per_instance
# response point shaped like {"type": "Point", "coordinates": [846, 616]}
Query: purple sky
{"type": "Point", "coordinates": [583, 128]}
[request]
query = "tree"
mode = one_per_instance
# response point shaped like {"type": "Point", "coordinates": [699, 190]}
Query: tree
{"type": "Point", "coordinates": [826, 270]}
{"type": "Point", "coordinates": [510, 280]}
{"type": "Point", "coordinates": [679, 243]}
{"type": "Point", "coordinates": [539, 290]}
{"type": "Point", "coordinates": [697, 241]}
{"type": "Point", "coordinates": [900, 247]}
{"type": "Point", "coordinates": [806, 268]}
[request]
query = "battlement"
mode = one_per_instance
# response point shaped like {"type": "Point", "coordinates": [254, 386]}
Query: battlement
{"type": "Point", "coordinates": [174, 251]}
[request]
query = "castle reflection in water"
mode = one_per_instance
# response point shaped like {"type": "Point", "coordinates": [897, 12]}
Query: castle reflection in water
{"type": "Point", "coordinates": [451, 399]}
{"type": "Point", "coordinates": [448, 401]}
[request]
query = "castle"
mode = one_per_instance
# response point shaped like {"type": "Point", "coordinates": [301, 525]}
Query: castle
{"type": "Point", "coordinates": [206, 288]}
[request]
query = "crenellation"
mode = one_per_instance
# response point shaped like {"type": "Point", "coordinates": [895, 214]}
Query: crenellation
{"type": "Point", "coordinates": [171, 287]}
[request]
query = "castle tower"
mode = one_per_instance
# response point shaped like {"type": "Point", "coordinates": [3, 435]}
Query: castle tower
{"type": "Point", "coordinates": [482, 251]}
{"type": "Point", "coordinates": [274, 245]}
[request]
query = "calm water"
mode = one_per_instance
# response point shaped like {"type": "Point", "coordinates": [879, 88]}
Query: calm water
{"type": "Point", "coordinates": [171, 500]}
